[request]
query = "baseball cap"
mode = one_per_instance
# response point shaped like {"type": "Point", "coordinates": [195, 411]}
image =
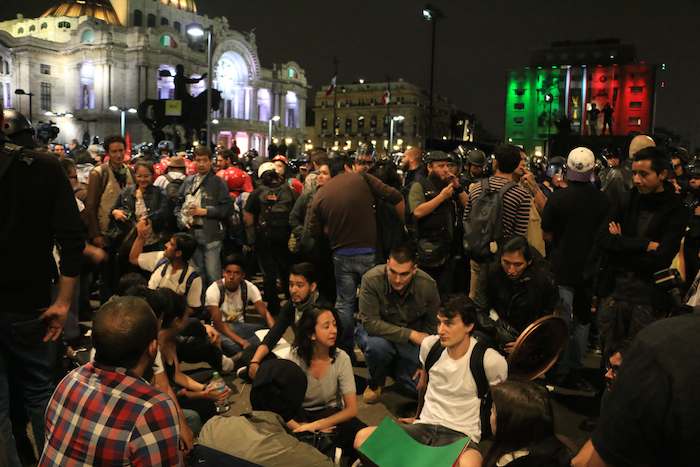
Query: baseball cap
{"type": "Point", "coordinates": [580, 165]}
{"type": "Point", "coordinates": [264, 167]}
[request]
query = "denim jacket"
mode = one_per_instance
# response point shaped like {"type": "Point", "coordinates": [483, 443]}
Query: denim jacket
{"type": "Point", "coordinates": [216, 200]}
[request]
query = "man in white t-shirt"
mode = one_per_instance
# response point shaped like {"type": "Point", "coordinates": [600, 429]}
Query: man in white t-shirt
{"type": "Point", "coordinates": [170, 268]}
{"type": "Point", "coordinates": [228, 311]}
{"type": "Point", "coordinates": [450, 409]}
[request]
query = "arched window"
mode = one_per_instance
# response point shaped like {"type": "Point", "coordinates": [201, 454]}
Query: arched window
{"type": "Point", "coordinates": [151, 22]}
{"type": "Point", "coordinates": [177, 26]}
{"type": "Point", "coordinates": [20, 31]}
{"type": "Point", "coordinates": [32, 28]}
{"type": "Point", "coordinates": [88, 37]}
{"type": "Point", "coordinates": [164, 22]}
{"type": "Point", "coordinates": [44, 25]}
{"type": "Point", "coordinates": [64, 25]}
{"type": "Point", "coordinates": [138, 18]}
{"type": "Point", "coordinates": [87, 86]}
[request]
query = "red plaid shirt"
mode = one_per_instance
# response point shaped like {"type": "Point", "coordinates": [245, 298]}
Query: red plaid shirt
{"type": "Point", "coordinates": [105, 417]}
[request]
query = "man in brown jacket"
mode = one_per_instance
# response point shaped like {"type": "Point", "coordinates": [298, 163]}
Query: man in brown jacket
{"type": "Point", "coordinates": [105, 183]}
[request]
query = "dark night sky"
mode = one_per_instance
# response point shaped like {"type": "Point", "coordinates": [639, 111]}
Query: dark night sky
{"type": "Point", "coordinates": [477, 42]}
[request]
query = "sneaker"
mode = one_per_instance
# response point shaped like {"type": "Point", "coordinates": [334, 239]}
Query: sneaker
{"type": "Point", "coordinates": [372, 396]}
{"type": "Point", "coordinates": [227, 364]}
{"type": "Point", "coordinates": [242, 372]}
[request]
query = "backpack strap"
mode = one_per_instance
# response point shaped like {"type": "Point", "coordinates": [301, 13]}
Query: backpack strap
{"type": "Point", "coordinates": [163, 262]}
{"type": "Point", "coordinates": [190, 280]}
{"type": "Point", "coordinates": [168, 178]}
{"type": "Point", "coordinates": [483, 390]}
{"type": "Point", "coordinates": [433, 356]}
{"type": "Point", "coordinates": [222, 297]}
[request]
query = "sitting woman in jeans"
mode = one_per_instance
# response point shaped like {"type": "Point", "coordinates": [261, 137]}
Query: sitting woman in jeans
{"type": "Point", "coordinates": [330, 401]}
{"type": "Point", "coordinates": [192, 394]}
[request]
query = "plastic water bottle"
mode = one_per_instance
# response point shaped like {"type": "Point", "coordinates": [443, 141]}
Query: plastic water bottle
{"type": "Point", "coordinates": [219, 386]}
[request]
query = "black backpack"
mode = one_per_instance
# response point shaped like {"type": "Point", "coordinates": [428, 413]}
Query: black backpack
{"type": "Point", "coordinates": [222, 293]}
{"type": "Point", "coordinates": [476, 366]}
{"type": "Point", "coordinates": [391, 231]}
{"type": "Point", "coordinates": [275, 206]}
{"type": "Point", "coordinates": [483, 233]}
{"type": "Point", "coordinates": [172, 189]}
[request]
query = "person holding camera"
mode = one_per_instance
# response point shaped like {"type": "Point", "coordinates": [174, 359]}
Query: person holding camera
{"type": "Point", "coordinates": [642, 237]}
{"type": "Point", "coordinates": [432, 201]}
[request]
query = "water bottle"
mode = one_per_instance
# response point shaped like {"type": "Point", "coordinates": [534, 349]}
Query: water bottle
{"type": "Point", "coordinates": [218, 386]}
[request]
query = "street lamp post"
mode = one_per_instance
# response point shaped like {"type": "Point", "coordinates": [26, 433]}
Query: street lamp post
{"type": "Point", "coordinates": [195, 31]}
{"type": "Point", "coordinates": [432, 15]}
{"type": "Point", "coordinates": [549, 98]}
{"type": "Point", "coordinates": [395, 118]}
{"type": "Point", "coordinates": [22, 92]}
{"type": "Point", "coordinates": [123, 111]}
{"type": "Point", "coordinates": [276, 118]}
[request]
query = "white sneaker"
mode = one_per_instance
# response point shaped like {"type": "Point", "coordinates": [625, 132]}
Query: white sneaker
{"type": "Point", "coordinates": [227, 364]}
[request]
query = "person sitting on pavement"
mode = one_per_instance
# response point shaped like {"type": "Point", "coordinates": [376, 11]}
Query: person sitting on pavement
{"type": "Point", "coordinates": [522, 423]}
{"type": "Point", "coordinates": [398, 307]}
{"type": "Point", "coordinates": [227, 299]}
{"type": "Point", "coordinates": [331, 400]}
{"type": "Point", "coordinates": [191, 394]}
{"type": "Point", "coordinates": [261, 436]}
{"type": "Point", "coordinates": [451, 408]}
{"type": "Point", "coordinates": [172, 269]}
{"type": "Point", "coordinates": [303, 296]}
{"type": "Point", "coordinates": [105, 411]}
{"type": "Point", "coordinates": [519, 289]}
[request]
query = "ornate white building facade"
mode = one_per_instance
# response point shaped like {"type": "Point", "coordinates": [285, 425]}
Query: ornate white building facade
{"type": "Point", "coordinates": [83, 56]}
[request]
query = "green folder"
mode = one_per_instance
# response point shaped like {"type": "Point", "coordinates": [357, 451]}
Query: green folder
{"type": "Point", "coordinates": [391, 446]}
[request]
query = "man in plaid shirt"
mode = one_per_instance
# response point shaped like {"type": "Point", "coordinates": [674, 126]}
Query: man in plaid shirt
{"type": "Point", "coordinates": [105, 413]}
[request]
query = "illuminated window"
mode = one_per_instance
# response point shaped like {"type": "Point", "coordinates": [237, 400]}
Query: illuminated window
{"type": "Point", "coordinates": [291, 73]}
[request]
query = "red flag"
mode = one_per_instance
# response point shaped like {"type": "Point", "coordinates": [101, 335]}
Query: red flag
{"type": "Point", "coordinates": [331, 88]}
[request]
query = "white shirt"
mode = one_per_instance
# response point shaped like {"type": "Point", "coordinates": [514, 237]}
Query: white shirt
{"type": "Point", "coordinates": [158, 367]}
{"type": "Point", "coordinates": [233, 307]}
{"type": "Point", "coordinates": [171, 279]}
{"type": "Point", "coordinates": [451, 398]}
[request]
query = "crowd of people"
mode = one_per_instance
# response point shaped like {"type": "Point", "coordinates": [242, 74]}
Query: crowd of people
{"type": "Point", "coordinates": [426, 273]}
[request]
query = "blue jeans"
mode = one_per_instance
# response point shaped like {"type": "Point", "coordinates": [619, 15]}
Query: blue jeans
{"type": "Point", "coordinates": [385, 358]}
{"type": "Point", "coordinates": [348, 274]}
{"type": "Point", "coordinates": [244, 330]}
{"type": "Point", "coordinates": [29, 369]}
{"type": "Point", "coordinates": [572, 356]}
{"type": "Point", "coordinates": [207, 258]}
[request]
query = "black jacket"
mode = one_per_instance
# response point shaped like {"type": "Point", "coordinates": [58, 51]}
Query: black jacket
{"type": "Point", "coordinates": [519, 302]}
{"type": "Point", "coordinates": [157, 203]}
{"type": "Point", "coordinates": [657, 217]}
{"type": "Point", "coordinates": [38, 212]}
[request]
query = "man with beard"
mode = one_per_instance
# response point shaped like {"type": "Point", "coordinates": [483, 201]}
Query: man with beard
{"type": "Point", "coordinates": [413, 168]}
{"type": "Point", "coordinates": [432, 202]}
{"type": "Point", "coordinates": [142, 426]}
{"type": "Point", "coordinates": [303, 296]}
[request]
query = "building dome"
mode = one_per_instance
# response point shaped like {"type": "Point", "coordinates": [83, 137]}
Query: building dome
{"type": "Point", "coordinates": [185, 5]}
{"type": "Point", "coordinates": [98, 9]}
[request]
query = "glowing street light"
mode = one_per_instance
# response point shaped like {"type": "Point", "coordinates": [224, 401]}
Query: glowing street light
{"type": "Point", "coordinates": [122, 113]}
{"type": "Point", "coordinates": [196, 31]}
{"type": "Point", "coordinates": [432, 14]}
{"type": "Point", "coordinates": [276, 118]}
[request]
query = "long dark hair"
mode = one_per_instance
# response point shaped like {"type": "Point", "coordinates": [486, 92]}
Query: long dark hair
{"type": "Point", "coordinates": [523, 418]}
{"type": "Point", "coordinates": [303, 344]}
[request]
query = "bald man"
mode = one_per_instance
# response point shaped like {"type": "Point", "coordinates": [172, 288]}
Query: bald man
{"type": "Point", "coordinates": [413, 168]}
{"type": "Point", "coordinates": [640, 142]}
